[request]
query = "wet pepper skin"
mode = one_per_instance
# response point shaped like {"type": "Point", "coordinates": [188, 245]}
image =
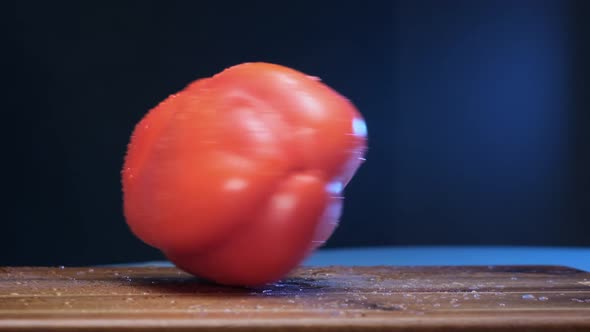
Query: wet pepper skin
{"type": "Point", "coordinates": [238, 177]}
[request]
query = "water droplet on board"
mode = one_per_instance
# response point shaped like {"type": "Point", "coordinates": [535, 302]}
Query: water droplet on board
{"type": "Point", "coordinates": [528, 297]}
{"type": "Point", "coordinates": [581, 300]}
{"type": "Point", "coordinates": [61, 267]}
{"type": "Point", "coordinates": [513, 278]}
{"type": "Point", "coordinates": [14, 294]}
{"type": "Point", "coordinates": [543, 298]}
{"type": "Point", "coordinates": [90, 270]}
{"type": "Point", "coordinates": [502, 304]}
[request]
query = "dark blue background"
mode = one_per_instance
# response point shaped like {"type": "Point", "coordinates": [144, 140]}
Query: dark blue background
{"type": "Point", "coordinates": [477, 113]}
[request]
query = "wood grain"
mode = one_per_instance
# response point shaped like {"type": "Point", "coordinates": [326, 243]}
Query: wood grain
{"type": "Point", "coordinates": [495, 298]}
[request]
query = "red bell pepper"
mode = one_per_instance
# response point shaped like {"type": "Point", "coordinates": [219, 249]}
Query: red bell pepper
{"type": "Point", "coordinates": [238, 177]}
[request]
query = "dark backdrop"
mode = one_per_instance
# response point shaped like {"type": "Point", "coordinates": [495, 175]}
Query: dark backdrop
{"type": "Point", "coordinates": [477, 113]}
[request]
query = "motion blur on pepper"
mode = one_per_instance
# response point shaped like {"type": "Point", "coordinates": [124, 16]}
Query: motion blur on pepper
{"type": "Point", "coordinates": [240, 176]}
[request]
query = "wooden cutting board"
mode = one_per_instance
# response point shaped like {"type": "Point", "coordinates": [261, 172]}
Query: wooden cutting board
{"type": "Point", "coordinates": [494, 298]}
